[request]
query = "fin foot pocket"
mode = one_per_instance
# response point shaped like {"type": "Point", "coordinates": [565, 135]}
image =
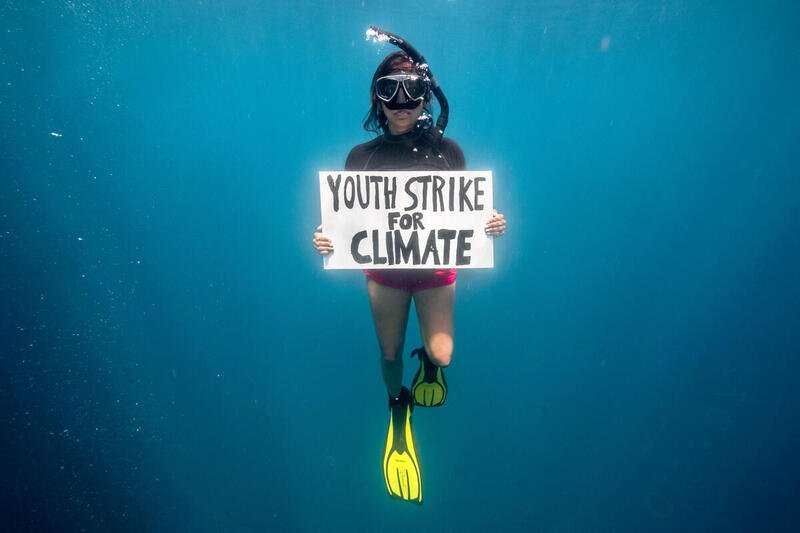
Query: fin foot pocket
{"type": "Point", "coordinates": [429, 387]}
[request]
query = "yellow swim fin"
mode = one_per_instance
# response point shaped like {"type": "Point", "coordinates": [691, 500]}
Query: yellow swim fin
{"type": "Point", "coordinates": [401, 469]}
{"type": "Point", "coordinates": [429, 387]}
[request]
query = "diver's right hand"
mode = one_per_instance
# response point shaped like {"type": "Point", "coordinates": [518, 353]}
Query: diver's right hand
{"type": "Point", "coordinates": [322, 243]}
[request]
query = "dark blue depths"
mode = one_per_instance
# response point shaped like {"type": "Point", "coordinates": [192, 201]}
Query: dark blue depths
{"type": "Point", "coordinates": [174, 358]}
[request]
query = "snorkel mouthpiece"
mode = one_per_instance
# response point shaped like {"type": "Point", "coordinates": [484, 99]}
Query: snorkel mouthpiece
{"type": "Point", "coordinates": [377, 34]}
{"type": "Point", "coordinates": [408, 104]}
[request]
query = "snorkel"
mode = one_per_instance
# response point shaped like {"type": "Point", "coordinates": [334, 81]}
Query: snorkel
{"type": "Point", "coordinates": [378, 35]}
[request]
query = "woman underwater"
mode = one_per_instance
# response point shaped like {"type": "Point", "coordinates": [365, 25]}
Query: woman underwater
{"type": "Point", "coordinates": [400, 96]}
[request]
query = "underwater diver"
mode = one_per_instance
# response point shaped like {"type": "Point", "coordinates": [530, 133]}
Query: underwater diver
{"type": "Point", "coordinates": [400, 113]}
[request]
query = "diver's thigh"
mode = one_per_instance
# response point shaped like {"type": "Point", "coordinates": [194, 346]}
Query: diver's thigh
{"type": "Point", "coordinates": [390, 315]}
{"type": "Point", "coordinates": [435, 313]}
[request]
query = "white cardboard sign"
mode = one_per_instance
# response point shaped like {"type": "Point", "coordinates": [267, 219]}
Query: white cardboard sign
{"type": "Point", "coordinates": [410, 219]}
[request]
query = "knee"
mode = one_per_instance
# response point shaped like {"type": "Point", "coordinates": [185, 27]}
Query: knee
{"type": "Point", "coordinates": [440, 353]}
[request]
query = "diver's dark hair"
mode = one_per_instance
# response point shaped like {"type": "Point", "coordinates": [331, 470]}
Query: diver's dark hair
{"type": "Point", "coordinates": [375, 120]}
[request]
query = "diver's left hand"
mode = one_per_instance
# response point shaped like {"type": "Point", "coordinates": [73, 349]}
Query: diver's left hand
{"type": "Point", "coordinates": [496, 225]}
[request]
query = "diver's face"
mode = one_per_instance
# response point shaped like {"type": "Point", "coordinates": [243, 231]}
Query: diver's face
{"type": "Point", "coordinates": [401, 120]}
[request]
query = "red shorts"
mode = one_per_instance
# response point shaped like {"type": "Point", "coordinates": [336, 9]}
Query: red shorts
{"type": "Point", "coordinates": [413, 280]}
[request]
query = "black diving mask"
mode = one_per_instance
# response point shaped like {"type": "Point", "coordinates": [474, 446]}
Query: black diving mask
{"type": "Point", "coordinates": [415, 88]}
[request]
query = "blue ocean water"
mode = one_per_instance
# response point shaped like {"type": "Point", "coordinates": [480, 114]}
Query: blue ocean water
{"type": "Point", "coordinates": [174, 358]}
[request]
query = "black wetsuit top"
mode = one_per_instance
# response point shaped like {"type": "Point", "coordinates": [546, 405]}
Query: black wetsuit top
{"type": "Point", "coordinates": [409, 151]}
{"type": "Point", "coordinates": [413, 150]}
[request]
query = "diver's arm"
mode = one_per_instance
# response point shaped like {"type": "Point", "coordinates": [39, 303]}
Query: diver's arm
{"type": "Point", "coordinates": [496, 225]}
{"type": "Point", "coordinates": [322, 243]}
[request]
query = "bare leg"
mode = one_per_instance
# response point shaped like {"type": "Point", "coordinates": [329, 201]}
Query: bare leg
{"type": "Point", "coordinates": [390, 314]}
{"type": "Point", "coordinates": [435, 314]}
